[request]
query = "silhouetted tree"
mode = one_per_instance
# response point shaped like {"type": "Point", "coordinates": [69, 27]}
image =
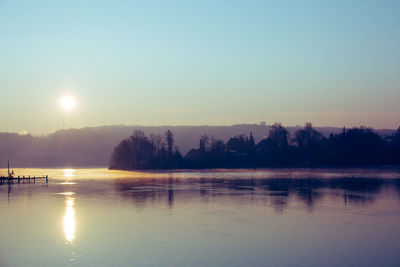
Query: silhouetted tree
{"type": "Point", "coordinates": [237, 144]}
{"type": "Point", "coordinates": [121, 156]}
{"type": "Point", "coordinates": [356, 146]}
{"type": "Point", "coordinates": [307, 136]}
{"type": "Point", "coordinates": [138, 152]}
{"type": "Point", "coordinates": [278, 135]}
{"type": "Point", "coordinates": [393, 150]}
{"type": "Point", "coordinates": [156, 140]}
{"type": "Point", "coordinates": [169, 139]}
{"type": "Point", "coordinates": [217, 146]}
{"type": "Point", "coordinates": [310, 144]}
{"type": "Point", "coordinates": [238, 149]}
{"type": "Point", "coordinates": [177, 160]}
{"type": "Point", "coordinates": [204, 142]}
{"type": "Point", "coordinates": [141, 150]}
{"type": "Point", "coordinates": [133, 153]}
{"type": "Point", "coordinates": [252, 151]}
{"type": "Point", "coordinates": [275, 150]}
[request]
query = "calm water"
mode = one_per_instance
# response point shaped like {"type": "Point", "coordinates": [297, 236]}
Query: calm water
{"type": "Point", "coordinates": [96, 217]}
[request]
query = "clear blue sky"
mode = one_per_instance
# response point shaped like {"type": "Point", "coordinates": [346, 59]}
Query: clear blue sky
{"type": "Point", "coordinates": [199, 62]}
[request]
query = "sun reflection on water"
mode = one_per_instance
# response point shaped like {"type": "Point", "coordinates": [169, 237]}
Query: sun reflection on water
{"type": "Point", "coordinates": [68, 173]}
{"type": "Point", "coordinates": [69, 219]}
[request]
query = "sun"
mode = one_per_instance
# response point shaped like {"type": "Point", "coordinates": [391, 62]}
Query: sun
{"type": "Point", "coordinates": [67, 103]}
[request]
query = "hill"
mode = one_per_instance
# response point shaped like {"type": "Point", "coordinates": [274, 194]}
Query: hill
{"type": "Point", "coordinates": [92, 146]}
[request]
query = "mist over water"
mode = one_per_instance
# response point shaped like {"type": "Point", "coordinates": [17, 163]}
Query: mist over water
{"type": "Point", "coordinates": [278, 217]}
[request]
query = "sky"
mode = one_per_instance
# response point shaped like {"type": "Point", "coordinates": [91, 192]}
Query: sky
{"type": "Point", "coordinates": [333, 63]}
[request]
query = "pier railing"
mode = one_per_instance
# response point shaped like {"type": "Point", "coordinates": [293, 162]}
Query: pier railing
{"type": "Point", "coordinates": [24, 179]}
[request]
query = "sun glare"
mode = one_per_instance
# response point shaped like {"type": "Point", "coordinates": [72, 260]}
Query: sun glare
{"type": "Point", "coordinates": [68, 173]}
{"type": "Point", "coordinates": [67, 103]}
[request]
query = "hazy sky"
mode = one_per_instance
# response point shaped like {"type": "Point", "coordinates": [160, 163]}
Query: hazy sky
{"type": "Point", "coordinates": [199, 62]}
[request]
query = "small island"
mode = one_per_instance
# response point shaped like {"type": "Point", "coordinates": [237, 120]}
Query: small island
{"type": "Point", "coordinates": [360, 146]}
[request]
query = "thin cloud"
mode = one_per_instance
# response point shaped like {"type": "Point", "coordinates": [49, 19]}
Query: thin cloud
{"type": "Point", "coordinates": [174, 110]}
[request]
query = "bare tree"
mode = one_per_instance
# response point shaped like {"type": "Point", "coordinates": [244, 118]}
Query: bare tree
{"type": "Point", "coordinates": [204, 142]}
{"type": "Point", "coordinates": [279, 135]}
{"type": "Point", "coordinates": [169, 138]}
{"type": "Point", "coordinates": [307, 136]}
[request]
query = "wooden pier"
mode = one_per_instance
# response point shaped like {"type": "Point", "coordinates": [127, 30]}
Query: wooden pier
{"type": "Point", "coordinates": [10, 179]}
{"type": "Point", "coordinates": [24, 179]}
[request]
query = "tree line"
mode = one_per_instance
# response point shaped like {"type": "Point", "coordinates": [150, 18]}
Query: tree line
{"type": "Point", "coordinates": [306, 148]}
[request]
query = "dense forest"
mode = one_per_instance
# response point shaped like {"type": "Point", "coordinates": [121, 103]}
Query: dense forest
{"type": "Point", "coordinates": [306, 148]}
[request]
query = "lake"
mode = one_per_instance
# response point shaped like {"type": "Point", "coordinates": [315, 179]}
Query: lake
{"type": "Point", "coordinates": [278, 217]}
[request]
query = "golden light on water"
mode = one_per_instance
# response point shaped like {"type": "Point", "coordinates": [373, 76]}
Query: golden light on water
{"type": "Point", "coordinates": [69, 216]}
{"type": "Point", "coordinates": [69, 219]}
{"type": "Point", "coordinates": [68, 173]}
{"type": "Point", "coordinates": [67, 193]}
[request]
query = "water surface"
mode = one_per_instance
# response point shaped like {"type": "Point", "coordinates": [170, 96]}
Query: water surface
{"type": "Point", "coordinates": [280, 217]}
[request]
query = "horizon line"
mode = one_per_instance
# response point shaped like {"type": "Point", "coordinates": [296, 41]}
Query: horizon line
{"type": "Point", "coordinates": [26, 132]}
